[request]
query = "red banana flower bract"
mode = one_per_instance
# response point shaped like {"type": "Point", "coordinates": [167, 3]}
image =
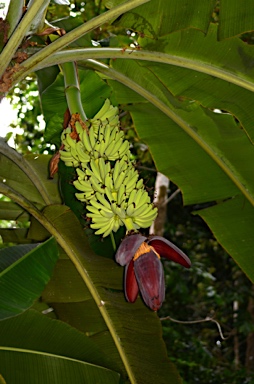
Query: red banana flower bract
{"type": "Point", "coordinates": [143, 269]}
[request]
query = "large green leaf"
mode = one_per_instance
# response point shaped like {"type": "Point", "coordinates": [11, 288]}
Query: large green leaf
{"type": "Point", "coordinates": [102, 277]}
{"type": "Point", "coordinates": [202, 65]}
{"type": "Point", "coordinates": [34, 334]}
{"type": "Point", "coordinates": [11, 254]}
{"type": "Point", "coordinates": [28, 175]}
{"type": "Point", "coordinates": [22, 282]}
{"type": "Point", "coordinates": [11, 211]}
{"type": "Point", "coordinates": [190, 142]}
{"type": "Point", "coordinates": [31, 367]}
{"type": "Point", "coordinates": [14, 235]}
{"type": "Point", "coordinates": [186, 140]}
{"type": "Point", "coordinates": [160, 17]}
{"type": "Point", "coordinates": [235, 18]}
{"type": "Point", "coordinates": [113, 322]}
{"type": "Point", "coordinates": [232, 223]}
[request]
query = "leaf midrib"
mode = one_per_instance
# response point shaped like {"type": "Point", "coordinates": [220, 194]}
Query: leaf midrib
{"type": "Point", "coordinates": [159, 57]}
{"type": "Point", "coordinates": [112, 73]}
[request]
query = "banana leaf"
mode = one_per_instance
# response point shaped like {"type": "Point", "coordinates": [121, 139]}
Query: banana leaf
{"type": "Point", "coordinates": [24, 275]}
{"type": "Point", "coordinates": [127, 330]}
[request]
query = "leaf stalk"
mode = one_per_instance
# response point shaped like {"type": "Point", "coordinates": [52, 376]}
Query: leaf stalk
{"type": "Point", "coordinates": [72, 89]}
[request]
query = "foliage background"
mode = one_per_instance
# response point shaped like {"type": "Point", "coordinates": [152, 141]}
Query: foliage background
{"type": "Point", "coordinates": [215, 286]}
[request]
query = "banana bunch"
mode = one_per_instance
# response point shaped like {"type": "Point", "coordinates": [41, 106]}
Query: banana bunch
{"type": "Point", "coordinates": [69, 154]}
{"type": "Point", "coordinates": [107, 180]}
{"type": "Point", "coordinates": [102, 139]}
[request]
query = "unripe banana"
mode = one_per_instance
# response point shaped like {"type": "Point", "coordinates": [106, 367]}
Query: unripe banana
{"type": "Point", "coordinates": [114, 154]}
{"type": "Point", "coordinates": [100, 197]}
{"type": "Point", "coordinates": [130, 209]}
{"type": "Point", "coordinates": [132, 196]}
{"type": "Point", "coordinates": [106, 177]}
{"type": "Point", "coordinates": [124, 148]}
{"type": "Point", "coordinates": [97, 186]}
{"type": "Point", "coordinates": [119, 180]}
{"type": "Point", "coordinates": [98, 205]}
{"type": "Point", "coordinates": [94, 164]}
{"type": "Point", "coordinates": [80, 196]}
{"type": "Point", "coordinates": [92, 137]}
{"type": "Point", "coordinates": [143, 210]}
{"type": "Point", "coordinates": [108, 182]}
{"type": "Point", "coordinates": [83, 185]}
{"type": "Point", "coordinates": [69, 141]}
{"type": "Point", "coordinates": [106, 134]}
{"type": "Point", "coordinates": [86, 141]}
{"type": "Point", "coordinates": [69, 160]}
{"type": "Point", "coordinates": [121, 195]}
{"type": "Point", "coordinates": [83, 157]}
{"type": "Point", "coordinates": [104, 109]}
{"type": "Point", "coordinates": [110, 148]}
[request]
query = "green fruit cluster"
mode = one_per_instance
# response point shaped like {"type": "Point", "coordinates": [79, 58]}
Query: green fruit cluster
{"type": "Point", "coordinates": [107, 180]}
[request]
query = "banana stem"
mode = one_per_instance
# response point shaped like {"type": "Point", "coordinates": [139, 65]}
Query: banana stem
{"type": "Point", "coordinates": [14, 15]}
{"type": "Point", "coordinates": [37, 6]}
{"type": "Point", "coordinates": [72, 89]}
{"type": "Point", "coordinates": [129, 224]}
{"type": "Point", "coordinates": [113, 241]}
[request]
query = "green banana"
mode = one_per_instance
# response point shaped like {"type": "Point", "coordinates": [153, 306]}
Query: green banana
{"type": "Point", "coordinates": [107, 179]}
{"type": "Point", "coordinates": [94, 164]}
{"type": "Point", "coordinates": [86, 141]}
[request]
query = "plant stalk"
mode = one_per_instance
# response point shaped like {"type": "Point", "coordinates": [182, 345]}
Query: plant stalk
{"type": "Point", "coordinates": [113, 74]}
{"type": "Point", "coordinates": [72, 89]}
{"type": "Point", "coordinates": [157, 57]}
{"type": "Point", "coordinates": [37, 6]}
{"type": "Point", "coordinates": [77, 261]}
{"type": "Point", "coordinates": [24, 165]}
{"type": "Point", "coordinates": [43, 54]}
{"type": "Point", "coordinates": [14, 15]}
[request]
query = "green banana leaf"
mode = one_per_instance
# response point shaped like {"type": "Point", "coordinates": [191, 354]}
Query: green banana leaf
{"type": "Point", "coordinates": [189, 141]}
{"type": "Point", "coordinates": [11, 211]}
{"type": "Point", "coordinates": [168, 17]}
{"type": "Point", "coordinates": [24, 276]}
{"type": "Point", "coordinates": [31, 367]}
{"type": "Point", "coordinates": [14, 235]}
{"type": "Point", "coordinates": [36, 339]}
{"type": "Point", "coordinates": [209, 156]}
{"type": "Point", "coordinates": [235, 18]}
{"type": "Point", "coordinates": [99, 309]}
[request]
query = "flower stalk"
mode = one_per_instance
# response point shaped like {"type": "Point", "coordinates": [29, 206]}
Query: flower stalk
{"type": "Point", "coordinates": [107, 181]}
{"type": "Point", "coordinates": [143, 270]}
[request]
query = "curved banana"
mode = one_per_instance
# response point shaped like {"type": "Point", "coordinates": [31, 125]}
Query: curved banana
{"type": "Point", "coordinates": [104, 109]}
{"type": "Point", "coordinates": [110, 148]}
{"type": "Point", "coordinates": [107, 179]}
{"type": "Point", "coordinates": [119, 180]}
{"type": "Point", "coordinates": [83, 157]}
{"type": "Point", "coordinates": [103, 200]}
{"type": "Point", "coordinates": [86, 141]}
{"type": "Point", "coordinates": [121, 194]}
{"type": "Point", "coordinates": [94, 164]}
{"type": "Point", "coordinates": [92, 137]}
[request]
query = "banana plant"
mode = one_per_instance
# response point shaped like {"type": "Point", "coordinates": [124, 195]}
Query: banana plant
{"type": "Point", "coordinates": [179, 74]}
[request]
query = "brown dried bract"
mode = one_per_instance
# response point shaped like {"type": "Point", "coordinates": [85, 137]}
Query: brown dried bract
{"type": "Point", "coordinates": [20, 57]}
{"type": "Point", "coordinates": [50, 30]}
{"type": "Point", "coordinates": [6, 79]}
{"type": "Point", "coordinates": [67, 117]}
{"type": "Point", "coordinates": [4, 28]}
{"type": "Point", "coordinates": [75, 117]}
{"type": "Point", "coordinates": [53, 164]}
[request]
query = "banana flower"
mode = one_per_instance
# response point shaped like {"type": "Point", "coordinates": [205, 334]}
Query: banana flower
{"type": "Point", "coordinates": [143, 270]}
